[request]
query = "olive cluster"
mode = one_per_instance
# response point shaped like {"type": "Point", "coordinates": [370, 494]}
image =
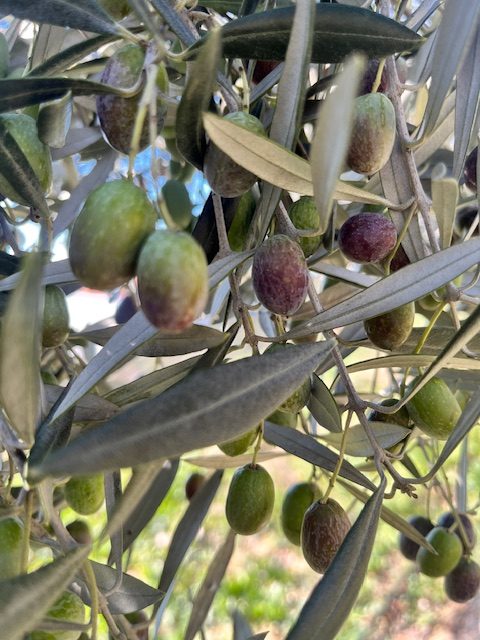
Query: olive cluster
{"type": "Point", "coordinates": [453, 539]}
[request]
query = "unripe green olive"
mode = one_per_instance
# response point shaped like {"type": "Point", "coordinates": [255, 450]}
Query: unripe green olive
{"type": "Point", "coordinates": [85, 494]}
{"type": "Point", "coordinates": [250, 499]}
{"type": "Point", "coordinates": [56, 321]}
{"type": "Point", "coordinates": [434, 409]}
{"type": "Point", "coordinates": [298, 498]}
{"type": "Point", "coordinates": [449, 549]}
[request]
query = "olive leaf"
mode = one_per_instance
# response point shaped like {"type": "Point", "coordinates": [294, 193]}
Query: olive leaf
{"type": "Point", "coordinates": [18, 172]}
{"type": "Point", "coordinates": [331, 601]}
{"type": "Point", "coordinates": [323, 407]}
{"type": "Point", "coordinates": [332, 136]}
{"type": "Point", "coordinates": [53, 121]}
{"type": "Point", "coordinates": [190, 134]}
{"type": "Point", "coordinates": [64, 59]}
{"type": "Point", "coordinates": [307, 448]}
{"type": "Point", "coordinates": [458, 27]}
{"type": "Point", "coordinates": [338, 31]}
{"type": "Point", "coordinates": [188, 528]}
{"type": "Point", "coordinates": [195, 338]}
{"type": "Point", "coordinates": [357, 443]}
{"type": "Point", "coordinates": [411, 282]}
{"type": "Point", "coordinates": [444, 203]}
{"type": "Point", "coordinates": [131, 595]}
{"type": "Point", "coordinates": [274, 163]}
{"type": "Point", "coordinates": [53, 273]}
{"type": "Point", "coordinates": [209, 587]}
{"type": "Point", "coordinates": [174, 20]}
{"type": "Point", "coordinates": [26, 599]}
{"type": "Point", "coordinates": [20, 350]}
{"type": "Point", "coordinates": [199, 411]}
{"type": "Point", "coordinates": [76, 14]}
{"type": "Point", "coordinates": [221, 461]}
{"type": "Point", "coordinates": [413, 360]}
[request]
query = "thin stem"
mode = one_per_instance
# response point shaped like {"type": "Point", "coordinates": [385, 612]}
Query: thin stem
{"type": "Point", "coordinates": [341, 455]}
{"type": "Point", "coordinates": [223, 243]}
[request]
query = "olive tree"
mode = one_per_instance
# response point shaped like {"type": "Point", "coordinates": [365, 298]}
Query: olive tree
{"type": "Point", "coordinates": [339, 141]}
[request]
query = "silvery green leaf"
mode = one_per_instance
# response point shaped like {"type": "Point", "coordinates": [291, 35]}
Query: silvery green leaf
{"type": "Point", "coordinates": [149, 502]}
{"type": "Point", "coordinates": [53, 273]}
{"type": "Point", "coordinates": [68, 210]}
{"type": "Point", "coordinates": [89, 408]}
{"type": "Point", "coordinates": [466, 104]}
{"type": "Point", "coordinates": [444, 203]}
{"type": "Point", "coordinates": [131, 595]}
{"type": "Point", "coordinates": [20, 350]}
{"type": "Point", "coordinates": [209, 587]}
{"type": "Point", "coordinates": [307, 448]}
{"type": "Point", "coordinates": [26, 599]}
{"type": "Point", "coordinates": [195, 338]}
{"type": "Point", "coordinates": [421, 14]}
{"type": "Point", "coordinates": [457, 29]}
{"type": "Point", "coordinates": [199, 411]}
{"type": "Point", "coordinates": [331, 601]}
{"type": "Point", "coordinates": [390, 517]}
{"type": "Point", "coordinates": [332, 136]}
{"type": "Point", "coordinates": [413, 360]}
{"type": "Point", "coordinates": [358, 444]}
{"type": "Point", "coordinates": [323, 407]}
{"type": "Point", "coordinates": [357, 278]}
{"type": "Point", "coordinates": [411, 282]}
{"type": "Point", "coordinates": [86, 15]}
{"type": "Point", "coordinates": [48, 42]}
{"type": "Point", "coordinates": [188, 528]}
{"type": "Point", "coordinates": [152, 384]}
{"type": "Point", "coordinates": [56, 64]}
{"type": "Point", "coordinates": [199, 88]}
{"type": "Point", "coordinates": [221, 461]}
{"type": "Point", "coordinates": [54, 120]}
{"type": "Point", "coordinates": [241, 626]}
{"type": "Point", "coordinates": [437, 339]}
{"type": "Point", "coordinates": [174, 19]}
{"type": "Point", "coordinates": [77, 140]}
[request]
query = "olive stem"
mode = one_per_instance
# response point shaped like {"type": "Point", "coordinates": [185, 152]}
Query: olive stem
{"type": "Point", "coordinates": [223, 243]}
{"type": "Point", "coordinates": [341, 455]}
{"type": "Point", "coordinates": [26, 531]}
{"type": "Point", "coordinates": [93, 591]}
{"type": "Point", "coordinates": [148, 92]}
{"type": "Point", "coordinates": [258, 443]}
{"type": "Point", "coordinates": [378, 77]}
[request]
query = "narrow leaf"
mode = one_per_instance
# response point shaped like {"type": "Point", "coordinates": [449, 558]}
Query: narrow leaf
{"type": "Point", "coordinates": [53, 273]}
{"type": "Point", "coordinates": [205, 408]}
{"type": "Point", "coordinates": [174, 20]}
{"type": "Point", "coordinates": [331, 601]}
{"type": "Point", "coordinates": [444, 203]}
{"type": "Point", "coordinates": [358, 444]}
{"type": "Point", "coordinates": [457, 28]}
{"type": "Point", "coordinates": [225, 462]}
{"type": "Point", "coordinates": [131, 595]}
{"type": "Point", "coordinates": [411, 282]}
{"type": "Point", "coordinates": [466, 104]}
{"type": "Point", "coordinates": [309, 449]}
{"type": "Point", "coordinates": [323, 407]}
{"type": "Point", "coordinates": [86, 15]}
{"type": "Point", "coordinates": [25, 600]}
{"type": "Point", "coordinates": [20, 350]}
{"type": "Point", "coordinates": [149, 503]}
{"type": "Point", "coordinates": [338, 31]}
{"type": "Point", "coordinates": [190, 134]}
{"type": "Point", "coordinates": [413, 360]}
{"type": "Point", "coordinates": [209, 587]}
{"type": "Point", "coordinates": [18, 172]}
{"type": "Point", "coordinates": [188, 528]}
{"type": "Point", "coordinates": [195, 338]}
{"type": "Point", "coordinates": [54, 121]}
{"type": "Point", "coordinates": [332, 136]}
{"type": "Point", "coordinates": [64, 59]}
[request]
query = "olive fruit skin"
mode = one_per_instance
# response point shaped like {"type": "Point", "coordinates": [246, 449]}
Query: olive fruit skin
{"type": "Point", "coordinates": [23, 129]}
{"type": "Point", "coordinates": [304, 215]}
{"type": "Point", "coordinates": [118, 9]}
{"type": "Point", "coordinates": [107, 236]}
{"type": "Point", "coordinates": [300, 396]}
{"type": "Point", "coordinates": [367, 237]}
{"type": "Point", "coordinates": [373, 133]}
{"type": "Point", "coordinates": [462, 584]}
{"type": "Point", "coordinates": [280, 275]}
{"type": "Point", "coordinates": [391, 329]}
{"type": "Point", "coordinates": [11, 543]}
{"type": "Point", "coordinates": [449, 550]}
{"type": "Point", "coordinates": [238, 232]}
{"type": "Point", "coordinates": [239, 445]}
{"type": "Point", "coordinates": [226, 177]}
{"type": "Point", "coordinates": [193, 484]}
{"type": "Point", "coordinates": [137, 617]}
{"type": "Point", "coordinates": [262, 69]}
{"type": "Point", "coordinates": [409, 548]}
{"type": "Point", "coordinates": [126, 310]}
{"type": "Point", "coordinates": [68, 607]}
{"type": "Point", "coordinates": [298, 498]}
{"type": "Point", "coordinates": [85, 494]}
{"type": "Point", "coordinates": [470, 170]}
{"type": "Point", "coordinates": [56, 321]}
{"type": "Point", "coordinates": [172, 280]}
{"type": "Point", "coordinates": [448, 521]}
{"type": "Point", "coordinates": [250, 499]}
{"type": "Point", "coordinates": [80, 532]}
{"type": "Point", "coordinates": [324, 528]}
{"type": "Point", "coordinates": [434, 409]}
{"type": "Point", "coordinates": [117, 114]}
{"type": "Point", "coordinates": [399, 260]}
